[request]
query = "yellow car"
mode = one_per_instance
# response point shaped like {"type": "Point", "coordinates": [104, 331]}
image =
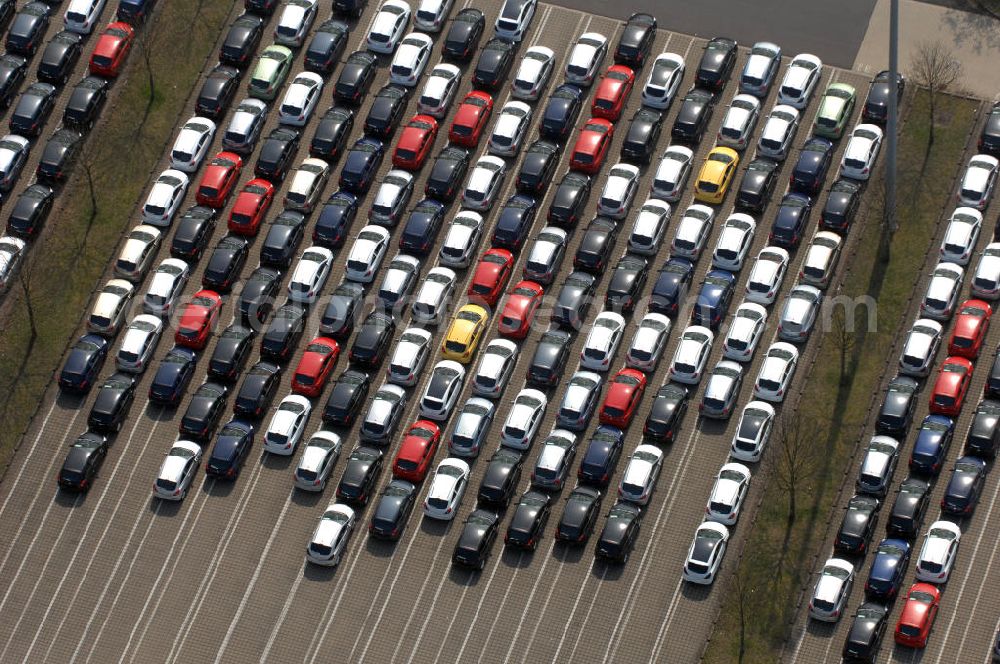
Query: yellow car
{"type": "Point", "coordinates": [716, 174]}
{"type": "Point", "coordinates": [465, 333]}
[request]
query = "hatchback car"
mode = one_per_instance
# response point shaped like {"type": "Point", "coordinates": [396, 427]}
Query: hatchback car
{"type": "Point", "coordinates": [416, 452]}
{"type": "Point", "coordinates": [739, 122]}
{"type": "Point", "coordinates": [938, 552]}
{"type": "Point", "coordinates": [761, 69]}
{"type": "Point", "coordinates": [393, 510]}
{"type": "Point", "coordinates": [463, 36]}
{"type": "Point", "coordinates": [734, 242]}
{"type": "Point", "coordinates": [510, 129]}
{"type": "Point", "coordinates": [704, 558]}
{"type": "Point", "coordinates": [533, 73]}
{"type": "Point", "coordinates": [476, 541]}
{"type": "Point", "coordinates": [554, 460]}
{"type": "Point", "coordinates": [585, 58]}
{"type": "Point", "coordinates": [950, 387]}
{"type": "Point", "coordinates": [355, 78]}
{"type": "Point", "coordinates": [835, 111]}
{"type": "Point", "coordinates": [493, 65]}
{"type": "Point", "coordinates": [799, 314]}
{"type": "Point", "coordinates": [176, 473]}
{"type": "Point", "coordinates": [779, 130]}
{"type": "Point", "coordinates": [694, 116]}
{"type": "Point", "coordinates": [862, 151]}
{"type": "Point", "coordinates": [931, 446]}
{"type": "Point", "coordinates": [442, 390]}
{"type": "Point", "coordinates": [832, 591]}
{"type": "Point", "coordinates": [361, 472]}
{"type": "Point", "coordinates": [446, 489]}
{"type": "Point", "coordinates": [83, 462]}
{"type": "Point", "coordinates": [665, 76]}
{"type": "Point", "coordinates": [471, 427]}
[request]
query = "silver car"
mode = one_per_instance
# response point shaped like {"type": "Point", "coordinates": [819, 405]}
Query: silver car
{"type": "Point", "coordinates": [555, 460]}
{"type": "Point", "coordinates": [471, 427]}
{"type": "Point", "coordinates": [579, 400]}
{"type": "Point", "coordinates": [800, 313]}
{"type": "Point", "coordinates": [722, 390]}
{"type": "Point", "coordinates": [317, 461]}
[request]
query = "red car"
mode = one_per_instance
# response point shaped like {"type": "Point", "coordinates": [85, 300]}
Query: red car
{"type": "Point", "coordinates": [624, 394]}
{"type": "Point", "coordinates": [251, 206]}
{"type": "Point", "coordinates": [417, 451]}
{"type": "Point", "coordinates": [415, 142]}
{"type": "Point", "coordinates": [971, 325]}
{"type": "Point", "coordinates": [522, 303]}
{"type": "Point", "coordinates": [111, 49]}
{"type": "Point", "coordinates": [592, 145]}
{"type": "Point", "coordinates": [918, 615]}
{"type": "Point", "coordinates": [315, 366]}
{"type": "Point", "coordinates": [951, 385]}
{"type": "Point", "coordinates": [491, 276]}
{"type": "Point", "coordinates": [470, 119]}
{"type": "Point", "coordinates": [198, 318]}
{"type": "Point", "coordinates": [612, 92]}
{"type": "Point", "coordinates": [218, 180]}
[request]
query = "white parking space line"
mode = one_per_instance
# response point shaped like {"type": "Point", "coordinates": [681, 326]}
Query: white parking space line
{"type": "Point", "coordinates": [454, 614]}
{"type": "Point", "coordinates": [322, 628]}
{"type": "Point", "coordinates": [479, 606]}
{"type": "Point", "coordinates": [576, 603]}
{"type": "Point", "coordinates": [281, 616]}
{"type": "Point", "coordinates": [26, 461]}
{"type": "Point", "coordinates": [528, 603]}
{"type": "Point", "coordinates": [496, 614]}
{"type": "Point", "coordinates": [543, 611]}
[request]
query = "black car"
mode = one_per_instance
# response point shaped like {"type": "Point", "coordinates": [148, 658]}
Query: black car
{"type": "Point", "coordinates": [231, 352]}
{"type": "Point", "coordinates": [503, 472]}
{"type": "Point", "coordinates": [373, 340]}
{"type": "Point", "coordinates": [335, 218]}
{"type": "Point", "coordinates": [59, 156]}
{"type": "Point", "coordinates": [172, 376]}
{"type": "Point", "coordinates": [262, 7]}
{"type": "Point", "coordinates": [386, 111]}
{"type": "Point", "coordinates": [350, 7]}
{"type": "Point", "coordinates": [111, 406]}
{"type": "Point", "coordinates": [538, 167]}
{"type": "Point", "coordinates": [83, 363]}
{"type": "Point", "coordinates": [694, 115]}
{"type": "Point", "coordinates": [561, 112]}
{"type": "Point", "coordinates": [790, 221]}
{"type": "Point", "coordinates": [226, 262]}
{"type": "Point", "coordinates": [857, 526]}
{"type": "Point", "coordinates": [642, 136]}
{"type": "Point", "coordinates": [573, 300]}
{"type": "Point", "coordinates": [716, 64]}
{"type": "Point", "coordinates": [82, 462]}
{"type": "Point", "coordinates": [462, 39]}
{"type": "Point", "coordinates": [476, 541]}
{"type": "Point", "coordinates": [284, 332]}
{"type": "Point", "coordinates": [7, 8]}
{"type": "Point", "coordinates": [283, 238]}
{"type": "Point", "coordinates": [673, 282]}
{"type": "Point", "coordinates": [13, 69]}
{"type": "Point", "coordinates": [231, 449]}
{"type": "Point", "coordinates": [984, 430]}
{"type": "Point", "coordinates": [636, 40]}
{"type": "Point", "coordinates": [277, 153]}
{"type": "Point", "coordinates": [896, 413]}
{"type": "Point", "coordinates": [203, 413]}
{"type": "Point", "coordinates": [620, 532]}
{"type": "Point", "coordinates": [25, 33]}
{"type": "Point", "coordinates": [447, 173]}
{"type": "Point", "coordinates": [877, 104]}
{"type": "Point", "coordinates": [569, 200]}
{"type": "Point", "coordinates": [31, 209]}
{"type": "Point", "coordinates": [579, 516]}
{"type": "Point", "coordinates": [602, 454]}
{"type": "Point", "coordinates": [841, 206]}
{"type": "Point", "coordinates": [757, 185]}
{"type": "Point", "coordinates": [811, 167]}
{"type": "Point", "coordinates": [360, 475]}
{"type": "Point", "coordinates": [549, 361]}
{"type": "Point", "coordinates": [33, 109]}
{"type": "Point", "coordinates": [422, 226]}
{"type": "Point", "coordinates": [361, 164]}
{"type": "Point", "coordinates": [596, 246]}
{"type": "Point", "coordinates": [59, 57]}
{"type": "Point", "coordinates": [393, 510]}
{"type": "Point", "coordinates": [627, 281]}
{"type": "Point", "coordinates": [217, 91]}
{"type": "Point", "coordinates": [192, 232]}
{"type": "Point", "coordinates": [528, 523]}
{"type": "Point", "coordinates": [355, 77]}
{"type": "Point", "coordinates": [494, 64]}
{"type": "Point", "coordinates": [908, 510]}
{"type": "Point", "coordinates": [242, 40]}
{"type": "Point", "coordinates": [331, 133]}
{"type": "Point", "coordinates": [257, 390]}
{"type": "Point", "coordinates": [666, 413]}
{"type": "Point", "coordinates": [327, 45]}
{"type": "Point", "coordinates": [864, 639]}
{"type": "Point", "coordinates": [992, 387]}
{"type": "Point", "coordinates": [514, 222]}
{"type": "Point", "coordinates": [342, 310]}
{"type": "Point", "coordinates": [347, 394]}
{"type": "Point", "coordinates": [133, 11]}
{"type": "Point", "coordinates": [989, 139]}
{"type": "Point", "coordinates": [964, 487]}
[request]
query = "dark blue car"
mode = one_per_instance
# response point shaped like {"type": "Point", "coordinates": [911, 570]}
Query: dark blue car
{"type": "Point", "coordinates": [561, 112]}
{"type": "Point", "coordinates": [933, 441]}
{"type": "Point", "coordinates": [422, 227]}
{"type": "Point", "coordinates": [790, 221]}
{"type": "Point", "coordinates": [83, 363]}
{"type": "Point", "coordinates": [514, 222]}
{"type": "Point", "coordinates": [361, 164]}
{"type": "Point", "coordinates": [892, 557]}
{"type": "Point", "coordinates": [713, 298]}
{"type": "Point", "coordinates": [601, 456]}
{"type": "Point", "coordinates": [232, 446]}
{"type": "Point", "coordinates": [335, 218]}
{"type": "Point", "coordinates": [134, 11]}
{"type": "Point", "coordinates": [671, 286]}
{"type": "Point", "coordinates": [965, 486]}
{"type": "Point", "coordinates": [172, 376]}
{"type": "Point", "coordinates": [812, 165]}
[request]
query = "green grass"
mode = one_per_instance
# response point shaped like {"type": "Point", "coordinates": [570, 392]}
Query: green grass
{"type": "Point", "coordinates": [69, 258]}
{"type": "Point", "coordinates": [777, 561]}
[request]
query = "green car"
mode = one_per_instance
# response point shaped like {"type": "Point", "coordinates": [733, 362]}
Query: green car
{"type": "Point", "coordinates": [835, 110]}
{"type": "Point", "coordinates": [271, 70]}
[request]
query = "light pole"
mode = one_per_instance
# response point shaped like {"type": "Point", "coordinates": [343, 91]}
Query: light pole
{"type": "Point", "coordinates": [892, 121]}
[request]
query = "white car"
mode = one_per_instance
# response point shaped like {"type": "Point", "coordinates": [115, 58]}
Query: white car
{"type": "Point", "coordinates": [672, 173]}
{"type": "Point", "coordinates": [495, 368]}
{"type": "Point", "coordinates": [739, 122]}
{"type": "Point", "coordinates": [287, 425]}
{"type": "Point", "coordinates": [693, 231]}
{"type": "Point", "coordinates": [583, 391]}
{"type": "Point", "coordinates": [436, 291]}
{"type": "Point", "coordinates": [721, 390]}
{"type": "Point", "coordinates": [752, 432]}
{"type": "Point", "coordinates": [728, 493]}
{"type": "Point", "coordinates": [384, 412]}
{"type": "Point", "coordinates": [510, 129]}
{"type": "Point", "coordinates": [639, 479]}
{"type": "Point", "coordinates": [446, 489]}
{"type": "Point", "coordinates": [514, 18]}
{"type": "Point", "coordinates": [190, 147]}
{"type": "Point", "coordinates": [877, 466]}
{"type": "Point", "coordinates": [81, 15]}
{"type": "Point", "coordinates": [138, 253]}
{"type": "Point", "coordinates": [165, 197]}
{"type": "Point", "coordinates": [691, 355]}
{"type": "Point", "coordinates": [442, 390]}
{"type": "Point", "coordinates": [546, 255]}
{"type": "Point", "coordinates": [388, 26]}
{"type": "Point", "coordinates": [586, 58]}
{"type": "Point", "coordinates": [961, 235]}
{"type": "Point", "coordinates": [833, 590]}
{"type": "Point", "coordinates": [110, 308]}
{"type": "Point", "coordinates": [310, 274]}
{"type": "Point", "coordinates": [821, 259]}
{"type": "Point", "coordinates": [649, 342]}
{"type": "Point", "coordinates": [920, 348]}
{"type": "Point", "coordinates": [524, 418]}
{"type": "Point", "coordinates": [665, 77]}
{"type": "Point", "coordinates": [308, 182]}
{"type": "Point", "coordinates": [11, 253]}
{"type": "Point", "coordinates": [14, 151]}
{"type": "Point", "coordinates": [533, 73]}
{"type": "Point", "coordinates": [554, 460]}
{"type": "Point", "coordinates": [704, 558]}
{"type": "Point", "coordinates": [799, 313]}
{"type": "Point", "coordinates": [977, 183]}
{"type": "Point", "coordinates": [411, 59]}
{"type": "Point", "coordinates": [138, 343]}
{"type": "Point", "coordinates": [760, 69]}
{"type": "Point", "coordinates": [745, 332]}
{"type": "Point", "coordinates": [937, 555]}
{"type": "Point", "coordinates": [986, 282]}
{"type": "Point", "coordinates": [801, 78]}
{"type": "Point", "coordinates": [317, 460]}
{"type": "Point", "coordinates": [177, 471]}
{"type": "Point", "coordinates": [390, 201]}
{"type": "Point", "coordinates": [300, 99]}
{"type": "Point", "coordinates": [431, 14]}
{"type": "Point", "coordinates": [619, 190]}
{"type": "Point", "coordinates": [409, 357]}
{"type": "Point", "coordinates": [602, 341]}
{"type": "Point", "coordinates": [462, 239]}
{"type": "Point", "coordinates": [471, 427]}
{"type": "Point", "coordinates": [776, 373]}
{"type": "Point", "coordinates": [245, 126]}
{"type": "Point", "coordinates": [294, 23]}
{"type": "Point", "coordinates": [734, 242]}
{"type": "Point", "coordinates": [778, 133]}
{"type": "Point", "coordinates": [649, 227]}
{"type": "Point", "coordinates": [767, 274]}
{"type": "Point", "coordinates": [862, 151]}
{"type": "Point", "coordinates": [484, 183]}
{"type": "Point", "coordinates": [329, 540]}
{"type": "Point", "coordinates": [367, 253]}
{"type": "Point", "coordinates": [943, 291]}
{"type": "Point", "coordinates": [439, 90]}
{"type": "Point", "coordinates": [400, 277]}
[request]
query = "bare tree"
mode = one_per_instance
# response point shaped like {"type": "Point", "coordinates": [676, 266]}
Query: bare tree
{"type": "Point", "coordinates": [87, 165]}
{"type": "Point", "coordinates": [742, 591]}
{"type": "Point", "coordinates": [146, 48]}
{"type": "Point", "coordinates": [844, 339]}
{"type": "Point", "coordinates": [796, 460]}
{"type": "Point", "coordinates": [935, 68]}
